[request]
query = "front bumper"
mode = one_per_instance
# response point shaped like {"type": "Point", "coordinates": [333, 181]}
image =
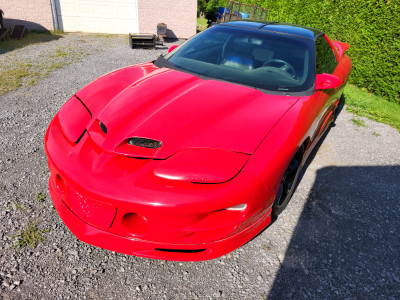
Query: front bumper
{"type": "Point", "coordinates": [117, 203]}
{"type": "Point", "coordinates": [134, 246]}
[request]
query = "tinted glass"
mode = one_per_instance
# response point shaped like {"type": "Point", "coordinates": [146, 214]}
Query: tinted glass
{"type": "Point", "coordinates": [325, 58]}
{"type": "Point", "coordinates": [255, 58]}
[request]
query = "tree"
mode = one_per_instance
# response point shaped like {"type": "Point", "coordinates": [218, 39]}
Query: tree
{"type": "Point", "coordinates": [211, 11]}
{"type": "Point", "coordinates": [201, 7]}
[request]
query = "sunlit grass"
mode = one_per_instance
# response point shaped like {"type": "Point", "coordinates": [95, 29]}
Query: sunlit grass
{"type": "Point", "coordinates": [30, 236]}
{"type": "Point", "coordinates": [15, 74]}
{"type": "Point", "coordinates": [11, 79]}
{"type": "Point", "coordinates": [372, 106]}
{"type": "Point", "coordinates": [201, 24]}
{"type": "Point", "coordinates": [358, 122]}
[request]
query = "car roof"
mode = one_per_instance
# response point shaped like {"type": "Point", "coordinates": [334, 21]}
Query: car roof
{"type": "Point", "coordinates": [283, 28]}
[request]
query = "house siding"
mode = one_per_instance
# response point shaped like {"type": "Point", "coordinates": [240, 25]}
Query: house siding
{"type": "Point", "coordinates": [34, 14]}
{"type": "Point", "coordinates": [180, 17]}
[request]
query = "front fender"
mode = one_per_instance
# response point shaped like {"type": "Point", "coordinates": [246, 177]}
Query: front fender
{"type": "Point", "coordinates": [273, 155]}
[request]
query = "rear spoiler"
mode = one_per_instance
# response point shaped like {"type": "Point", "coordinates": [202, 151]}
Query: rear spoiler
{"type": "Point", "coordinates": [341, 47]}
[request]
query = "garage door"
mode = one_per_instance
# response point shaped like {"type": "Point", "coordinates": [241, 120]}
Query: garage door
{"type": "Point", "coordinates": [101, 16]}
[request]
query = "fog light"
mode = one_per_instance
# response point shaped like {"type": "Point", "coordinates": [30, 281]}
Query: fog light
{"type": "Point", "coordinates": [135, 224]}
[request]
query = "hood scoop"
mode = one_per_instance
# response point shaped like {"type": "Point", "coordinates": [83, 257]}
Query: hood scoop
{"type": "Point", "coordinates": [144, 142]}
{"type": "Point", "coordinates": [139, 147]}
{"type": "Point", "coordinates": [132, 147]}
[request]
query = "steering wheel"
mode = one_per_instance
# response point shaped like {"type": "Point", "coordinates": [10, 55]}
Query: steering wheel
{"type": "Point", "coordinates": [282, 65]}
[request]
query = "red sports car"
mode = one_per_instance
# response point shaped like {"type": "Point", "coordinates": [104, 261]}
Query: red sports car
{"type": "Point", "coordinates": [189, 157]}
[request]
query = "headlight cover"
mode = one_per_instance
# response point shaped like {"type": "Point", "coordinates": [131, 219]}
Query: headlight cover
{"type": "Point", "coordinates": [202, 165]}
{"type": "Point", "coordinates": [74, 117]}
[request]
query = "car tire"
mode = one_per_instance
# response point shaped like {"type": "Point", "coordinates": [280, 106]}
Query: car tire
{"type": "Point", "coordinates": [288, 184]}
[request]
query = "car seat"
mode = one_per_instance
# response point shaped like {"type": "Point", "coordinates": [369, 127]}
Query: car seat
{"type": "Point", "coordinates": [239, 56]}
{"type": "Point", "coordinates": [239, 61]}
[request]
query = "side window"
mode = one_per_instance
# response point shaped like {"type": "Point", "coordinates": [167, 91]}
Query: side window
{"type": "Point", "coordinates": [325, 58]}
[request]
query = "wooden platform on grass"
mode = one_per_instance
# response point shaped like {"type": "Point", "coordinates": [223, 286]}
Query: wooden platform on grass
{"type": "Point", "coordinates": [18, 32]}
{"type": "Point", "coordinates": [4, 34]}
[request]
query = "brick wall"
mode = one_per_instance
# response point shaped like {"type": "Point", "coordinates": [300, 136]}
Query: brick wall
{"type": "Point", "coordinates": [180, 16]}
{"type": "Point", "coordinates": [34, 14]}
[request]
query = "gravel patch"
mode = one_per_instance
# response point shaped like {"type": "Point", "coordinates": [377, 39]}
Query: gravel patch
{"type": "Point", "coordinates": [26, 66]}
{"type": "Point", "coordinates": [338, 238]}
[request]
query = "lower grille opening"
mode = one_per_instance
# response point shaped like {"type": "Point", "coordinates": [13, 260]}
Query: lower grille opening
{"type": "Point", "coordinates": [180, 250]}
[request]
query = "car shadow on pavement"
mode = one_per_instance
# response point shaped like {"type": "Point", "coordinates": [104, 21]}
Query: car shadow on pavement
{"type": "Point", "coordinates": [346, 243]}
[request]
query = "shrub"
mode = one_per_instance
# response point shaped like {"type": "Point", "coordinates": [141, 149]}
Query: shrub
{"type": "Point", "coordinates": [211, 10]}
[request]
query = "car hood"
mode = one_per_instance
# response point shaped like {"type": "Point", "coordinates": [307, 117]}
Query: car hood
{"type": "Point", "coordinates": [183, 111]}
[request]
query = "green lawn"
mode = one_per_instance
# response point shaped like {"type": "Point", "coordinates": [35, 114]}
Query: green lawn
{"type": "Point", "coordinates": [201, 24]}
{"type": "Point", "coordinates": [16, 71]}
{"type": "Point", "coordinates": [372, 106]}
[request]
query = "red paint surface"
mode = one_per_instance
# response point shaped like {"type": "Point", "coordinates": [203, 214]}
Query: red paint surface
{"type": "Point", "coordinates": [342, 47]}
{"type": "Point", "coordinates": [210, 166]}
{"type": "Point", "coordinates": [74, 118]}
{"type": "Point", "coordinates": [140, 201]}
{"type": "Point", "coordinates": [181, 110]}
{"type": "Point", "coordinates": [172, 48]}
{"type": "Point", "coordinates": [326, 81]}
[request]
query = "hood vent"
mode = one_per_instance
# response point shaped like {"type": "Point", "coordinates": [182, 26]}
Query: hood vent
{"type": "Point", "coordinates": [143, 142]}
{"type": "Point", "coordinates": [103, 127]}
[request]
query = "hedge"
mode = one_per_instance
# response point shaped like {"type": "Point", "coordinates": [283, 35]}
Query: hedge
{"type": "Point", "coordinates": [371, 27]}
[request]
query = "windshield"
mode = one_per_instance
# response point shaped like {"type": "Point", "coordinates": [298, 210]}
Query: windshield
{"type": "Point", "coordinates": [255, 58]}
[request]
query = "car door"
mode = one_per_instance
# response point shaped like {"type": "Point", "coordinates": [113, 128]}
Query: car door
{"type": "Point", "coordinates": [326, 99]}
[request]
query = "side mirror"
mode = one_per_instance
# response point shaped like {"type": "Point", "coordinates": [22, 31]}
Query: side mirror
{"type": "Point", "coordinates": [172, 48]}
{"type": "Point", "coordinates": [341, 47]}
{"type": "Point", "coordinates": [327, 81]}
